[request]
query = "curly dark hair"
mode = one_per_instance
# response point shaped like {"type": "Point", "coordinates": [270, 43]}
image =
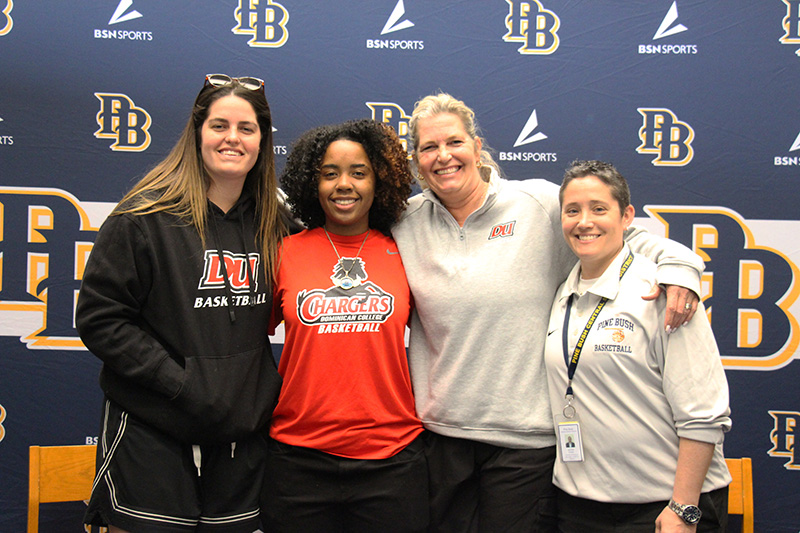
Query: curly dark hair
{"type": "Point", "coordinates": [389, 160]}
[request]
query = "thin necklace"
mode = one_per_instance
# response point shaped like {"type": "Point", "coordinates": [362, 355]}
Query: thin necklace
{"type": "Point", "coordinates": [345, 281]}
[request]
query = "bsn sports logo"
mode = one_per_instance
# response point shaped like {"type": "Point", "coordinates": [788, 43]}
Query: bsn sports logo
{"type": "Point", "coordinates": [789, 160]}
{"type": "Point", "coordinates": [396, 22]}
{"type": "Point", "coordinates": [42, 266]}
{"type": "Point", "coordinates": [784, 438]}
{"type": "Point", "coordinates": [393, 115]}
{"type": "Point", "coordinates": [529, 135]}
{"type": "Point", "coordinates": [669, 28]}
{"type": "Point", "coordinates": [124, 13]}
{"type": "Point", "coordinates": [790, 24]}
{"type": "Point", "coordinates": [665, 136]}
{"type": "Point", "coordinates": [264, 21]}
{"type": "Point", "coordinates": [6, 139]}
{"type": "Point", "coordinates": [749, 290]}
{"type": "Point", "coordinates": [6, 22]}
{"type": "Point", "coordinates": [278, 149]}
{"type": "Point", "coordinates": [532, 25]}
{"type": "Point", "coordinates": [120, 15]}
{"type": "Point", "coordinates": [121, 120]}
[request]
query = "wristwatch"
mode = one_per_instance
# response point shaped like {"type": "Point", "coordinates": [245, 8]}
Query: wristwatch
{"type": "Point", "coordinates": [690, 513]}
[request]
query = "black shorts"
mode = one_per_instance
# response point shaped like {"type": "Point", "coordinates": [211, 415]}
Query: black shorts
{"type": "Point", "coordinates": [148, 481]}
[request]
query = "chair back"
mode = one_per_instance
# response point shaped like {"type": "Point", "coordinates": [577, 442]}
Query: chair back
{"type": "Point", "coordinates": [58, 474]}
{"type": "Point", "coordinates": [740, 491]}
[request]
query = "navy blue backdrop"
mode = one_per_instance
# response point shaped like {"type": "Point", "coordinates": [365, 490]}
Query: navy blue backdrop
{"type": "Point", "coordinates": [696, 102]}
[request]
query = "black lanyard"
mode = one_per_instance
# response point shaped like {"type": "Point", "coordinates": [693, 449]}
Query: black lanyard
{"type": "Point", "coordinates": [572, 363]}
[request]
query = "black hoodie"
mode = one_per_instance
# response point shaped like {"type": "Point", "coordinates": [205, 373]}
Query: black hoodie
{"type": "Point", "coordinates": [184, 347]}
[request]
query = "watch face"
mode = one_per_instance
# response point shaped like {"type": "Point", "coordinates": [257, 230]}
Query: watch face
{"type": "Point", "coordinates": [691, 514]}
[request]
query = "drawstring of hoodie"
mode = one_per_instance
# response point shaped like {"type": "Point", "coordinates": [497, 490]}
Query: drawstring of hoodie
{"type": "Point", "coordinates": [250, 277]}
{"type": "Point", "coordinates": [224, 268]}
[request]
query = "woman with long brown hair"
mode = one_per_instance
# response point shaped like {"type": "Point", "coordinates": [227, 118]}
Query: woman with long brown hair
{"type": "Point", "coordinates": [175, 301]}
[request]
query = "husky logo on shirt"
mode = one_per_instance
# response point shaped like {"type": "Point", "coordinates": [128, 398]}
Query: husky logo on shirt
{"type": "Point", "coordinates": [235, 268]}
{"type": "Point", "coordinates": [361, 307]}
{"type": "Point", "coordinates": [349, 272]}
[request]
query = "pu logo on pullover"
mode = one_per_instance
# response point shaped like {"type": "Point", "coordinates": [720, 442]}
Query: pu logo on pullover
{"type": "Point", "coordinates": [504, 229]}
{"type": "Point", "coordinates": [236, 269]}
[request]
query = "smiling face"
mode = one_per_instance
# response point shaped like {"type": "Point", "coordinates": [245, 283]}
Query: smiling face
{"type": "Point", "coordinates": [447, 157]}
{"type": "Point", "coordinates": [593, 223]}
{"type": "Point", "coordinates": [346, 188]}
{"type": "Point", "coordinates": [230, 139]}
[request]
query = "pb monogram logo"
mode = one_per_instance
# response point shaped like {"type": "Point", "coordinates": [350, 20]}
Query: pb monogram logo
{"type": "Point", "coordinates": [533, 26]}
{"type": "Point", "coordinates": [264, 21]}
{"type": "Point", "coordinates": [665, 136]}
{"type": "Point", "coordinates": [119, 119]}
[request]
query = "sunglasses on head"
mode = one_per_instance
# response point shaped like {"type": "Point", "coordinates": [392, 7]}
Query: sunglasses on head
{"type": "Point", "coordinates": [222, 80]}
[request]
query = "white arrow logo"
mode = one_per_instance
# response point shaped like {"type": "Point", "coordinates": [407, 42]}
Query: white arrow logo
{"type": "Point", "coordinates": [392, 24]}
{"type": "Point", "coordinates": [795, 145]}
{"type": "Point", "coordinates": [525, 136]}
{"type": "Point", "coordinates": [121, 8]}
{"type": "Point", "coordinates": [672, 16]}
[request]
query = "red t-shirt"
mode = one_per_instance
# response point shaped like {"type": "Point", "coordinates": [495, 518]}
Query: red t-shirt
{"type": "Point", "coordinates": [346, 387]}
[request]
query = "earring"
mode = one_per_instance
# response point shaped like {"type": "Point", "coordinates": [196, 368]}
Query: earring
{"type": "Point", "coordinates": [480, 164]}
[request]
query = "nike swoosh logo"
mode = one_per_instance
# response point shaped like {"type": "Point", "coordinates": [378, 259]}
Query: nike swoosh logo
{"type": "Point", "coordinates": [388, 251]}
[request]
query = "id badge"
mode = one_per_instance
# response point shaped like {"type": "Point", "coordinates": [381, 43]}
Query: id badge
{"type": "Point", "coordinates": [570, 444]}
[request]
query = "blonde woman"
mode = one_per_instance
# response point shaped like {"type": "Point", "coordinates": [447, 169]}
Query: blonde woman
{"type": "Point", "coordinates": [484, 256]}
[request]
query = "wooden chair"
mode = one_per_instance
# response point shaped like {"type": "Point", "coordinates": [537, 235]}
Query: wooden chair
{"type": "Point", "coordinates": [58, 474]}
{"type": "Point", "coordinates": [740, 491]}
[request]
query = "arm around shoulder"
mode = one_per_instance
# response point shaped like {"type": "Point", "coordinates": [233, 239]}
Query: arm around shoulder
{"type": "Point", "coordinates": [676, 264]}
